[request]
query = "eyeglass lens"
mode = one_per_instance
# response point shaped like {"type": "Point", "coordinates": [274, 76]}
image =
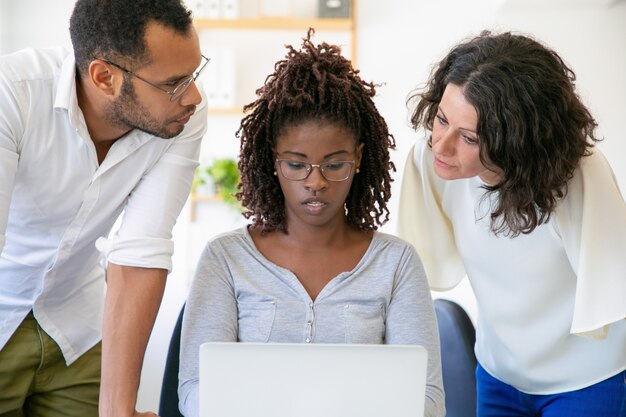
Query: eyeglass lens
{"type": "Point", "coordinates": [181, 88]}
{"type": "Point", "coordinates": [332, 171]}
{"type": "Point", "coordinates": [184, 84]}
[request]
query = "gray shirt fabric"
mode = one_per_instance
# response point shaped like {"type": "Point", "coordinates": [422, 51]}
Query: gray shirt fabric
{"type": "Point", "coordinates": [239, 295]}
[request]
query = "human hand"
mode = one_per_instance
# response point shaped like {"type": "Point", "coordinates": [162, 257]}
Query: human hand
{"type": "Point", "coordinates": [134, 414]}
{"type": "Point", "coordinates": [145, 414]}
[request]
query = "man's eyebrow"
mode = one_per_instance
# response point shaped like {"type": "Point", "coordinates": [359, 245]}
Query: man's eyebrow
{"type": "Point", "coordinates": [174, 79]}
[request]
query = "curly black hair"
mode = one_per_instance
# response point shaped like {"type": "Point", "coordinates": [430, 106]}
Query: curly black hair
{"type": "Point", "coordinates": [114, 29]}
{"type": "Point", "coordinates": [532, 125]}
{"type": "Point", "coordinates": [314, 83]}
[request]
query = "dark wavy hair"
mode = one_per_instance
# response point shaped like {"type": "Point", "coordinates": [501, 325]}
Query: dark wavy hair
{"type": "Point", "coordinates": [314, 83]}
{"type": "Point", "coordinates": [532, 125]}
{"type": "Point", "coordinates": [115, 29]}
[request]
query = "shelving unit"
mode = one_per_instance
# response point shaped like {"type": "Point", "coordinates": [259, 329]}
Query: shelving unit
{"type": "Point", "coordinates": [227, 111]}
{"type": "Point", "coordinates": [285, 23]}
{"type": "Point", "coordinates": [277, 24]}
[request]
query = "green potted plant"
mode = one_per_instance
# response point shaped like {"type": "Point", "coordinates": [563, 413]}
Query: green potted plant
{"type": "Point", "coordinates": [202, 183]}
{"type": "Point", "coordinates": [225, 176]}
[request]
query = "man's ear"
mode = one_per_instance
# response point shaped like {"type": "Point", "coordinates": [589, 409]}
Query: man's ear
{"type": "Point", "coordinates": [102, 77]}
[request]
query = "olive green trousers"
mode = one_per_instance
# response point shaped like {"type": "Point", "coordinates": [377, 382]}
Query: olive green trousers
{"type": "Point", "coordinates": [36, 382]}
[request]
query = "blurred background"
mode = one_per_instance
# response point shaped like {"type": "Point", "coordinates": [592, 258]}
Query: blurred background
{"type": "Point", "coordinates": [394, 43]}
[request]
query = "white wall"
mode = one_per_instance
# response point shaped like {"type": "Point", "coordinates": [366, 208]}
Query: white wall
{"type": "Point", "coordinates": [398, 41]}
{"type": "Point", "coordinates": [36, 23]}
{"type": "Point", "coordinates": [593, 41]}
{"type": "Point", "coordinates": [3, 23]}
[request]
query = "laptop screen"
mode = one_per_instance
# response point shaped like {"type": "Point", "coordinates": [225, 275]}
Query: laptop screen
{"type": "Point", "coordinates": [311, 380]}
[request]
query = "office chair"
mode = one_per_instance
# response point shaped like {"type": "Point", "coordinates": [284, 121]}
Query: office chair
{"type": "Point", "coordinates": [458, 362]}
{"type": "Point", "coordinates": [168, 403]}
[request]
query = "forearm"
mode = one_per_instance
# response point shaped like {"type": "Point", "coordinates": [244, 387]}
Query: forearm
{"type": "Point", "coordinates": [132, 302]}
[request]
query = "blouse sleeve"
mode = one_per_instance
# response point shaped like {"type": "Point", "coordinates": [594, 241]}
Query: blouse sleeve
{"type": "Point", "coordinates": [144, 238]}
{"type": "Point", "coordinates": [210, 315]}
{"type": "Point", "coordinates": [592, 223]}
{"type": "Point", "coordinates": [423, 223]}
{"type": "Point", "coordinates": [411, 320]}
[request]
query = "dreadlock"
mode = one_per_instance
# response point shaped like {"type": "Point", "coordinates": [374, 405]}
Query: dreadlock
{"type": "Point", "coordinates": [314, 83]}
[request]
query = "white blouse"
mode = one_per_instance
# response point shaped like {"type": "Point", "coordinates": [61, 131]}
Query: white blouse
{"type": "Point", "coordinates": [536, 293]}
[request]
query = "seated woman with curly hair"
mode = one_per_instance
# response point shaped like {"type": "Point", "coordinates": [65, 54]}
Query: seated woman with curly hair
{"type": "Point", "coordinates": [315, 181]}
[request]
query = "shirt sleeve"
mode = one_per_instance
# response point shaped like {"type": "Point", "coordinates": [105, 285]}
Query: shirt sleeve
{"type": "Point", "coordinates": [210, 315]}
{"type": "Point", "coordinates": [423, 223]}
{"type": "Point", "coordinates": [10, 130]}
{"type": "Point", "coordinates": [144, 236]}
{"type": "Point", "coordinates": [592, 223]}
{"type": "Point", "coordinates": [411, 320]}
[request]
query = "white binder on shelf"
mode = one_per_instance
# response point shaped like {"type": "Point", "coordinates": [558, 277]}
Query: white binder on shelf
{"type": "Point", "coordinates": [275, 8]}
{"type": "Point", "coordinates": [226, 77]}
{"type": "Point", "coordinates": [210, 77]}
{"type": "Point", "coordinates": [212, 9]}
{"type": "Point", "coordinates": [197, 8]}
{"type": "Point", "coordinates": [229, 9]}
{"type": "Point", "coordinates": [218, 79]}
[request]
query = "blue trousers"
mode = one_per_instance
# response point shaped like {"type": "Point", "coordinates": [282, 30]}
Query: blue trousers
{"type": "Point", "coordinates": [604, 399]}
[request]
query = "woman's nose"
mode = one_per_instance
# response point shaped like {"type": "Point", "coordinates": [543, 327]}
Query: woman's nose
{"type": "Point", "coordinates": [315, 181]}
{"type": "Point", "coordinates": [443, 144]}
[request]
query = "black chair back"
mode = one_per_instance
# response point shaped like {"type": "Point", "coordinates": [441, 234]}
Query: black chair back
{"type": "Point", "coordinates": [458, 361]}
{"type": "Point", "coordinates": [168, 403]}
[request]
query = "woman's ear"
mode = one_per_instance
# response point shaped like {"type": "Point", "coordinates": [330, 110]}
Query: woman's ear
{"type": "Point", "coordinates": [359, 155]}
{"type": "Point", "coordinates": [102, 77]}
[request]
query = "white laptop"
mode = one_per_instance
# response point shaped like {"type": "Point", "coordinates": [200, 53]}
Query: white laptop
{"type": "Point", "coordinates": [311, 380]}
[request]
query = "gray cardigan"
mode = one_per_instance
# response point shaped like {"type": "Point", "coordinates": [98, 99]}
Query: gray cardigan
{"type": "Point", "coordinates": [238, 295]}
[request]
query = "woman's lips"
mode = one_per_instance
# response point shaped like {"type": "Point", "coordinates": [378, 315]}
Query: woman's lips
{"type": "Point", "coordinates": [441, 163]}
{"type": "Point", "coordinates": [314, 206]}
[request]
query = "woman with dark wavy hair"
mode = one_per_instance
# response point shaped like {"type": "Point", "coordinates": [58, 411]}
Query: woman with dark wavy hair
{"type": "Point", "coordinates": [508, 188]}
{"type": "Point", "coordinates": [311, 268]}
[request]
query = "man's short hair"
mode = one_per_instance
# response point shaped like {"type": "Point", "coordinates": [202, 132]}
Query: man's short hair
{"type": "Point", "coordinates": [115, 29]}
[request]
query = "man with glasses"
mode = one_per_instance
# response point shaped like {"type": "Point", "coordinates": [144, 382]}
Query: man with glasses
{"type": "Point", "coordinates": [113, 128]}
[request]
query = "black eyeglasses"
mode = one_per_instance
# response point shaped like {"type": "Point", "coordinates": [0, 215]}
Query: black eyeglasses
{"type": "Point", "coordinates": [178, 90]}
{"type": "Point", "coordinates": [298, 171]}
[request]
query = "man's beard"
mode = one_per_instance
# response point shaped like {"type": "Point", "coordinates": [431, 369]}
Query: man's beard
{"type": "Point", "coordinates": [127, 113]}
